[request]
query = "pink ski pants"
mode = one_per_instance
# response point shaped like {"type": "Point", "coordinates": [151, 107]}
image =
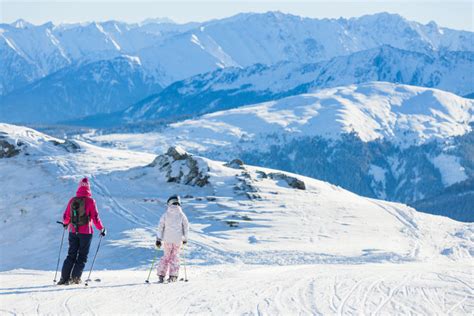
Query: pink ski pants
{"type": "Point", "coordinates": [170, 260]}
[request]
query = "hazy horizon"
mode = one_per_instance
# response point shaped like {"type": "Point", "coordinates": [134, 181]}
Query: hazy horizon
{"type": "Point", "coordinates": [457, 15]}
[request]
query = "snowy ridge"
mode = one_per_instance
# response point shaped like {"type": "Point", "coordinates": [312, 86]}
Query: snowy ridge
{"type": "Point", "coordinates": [233, 87]}
{"type": "Point", "coordinates": [405, 115]}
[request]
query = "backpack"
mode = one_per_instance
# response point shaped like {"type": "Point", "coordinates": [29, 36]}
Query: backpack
{"type": "Point", "coordinates": [78, 213]}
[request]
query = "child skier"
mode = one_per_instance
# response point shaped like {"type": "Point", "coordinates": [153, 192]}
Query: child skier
{"type": "Point", "coordinates": [172, 231]}
{"type": "Point", "coordinates": [79, 215]}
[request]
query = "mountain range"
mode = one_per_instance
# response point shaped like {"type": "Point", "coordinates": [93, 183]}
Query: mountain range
{"type": "Point", "coordinates": [170, 52]}
{"type": "Point", "coordinates": [233, 87]}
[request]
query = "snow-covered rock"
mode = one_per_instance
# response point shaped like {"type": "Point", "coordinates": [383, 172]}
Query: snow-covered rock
{"type": "Point", "coordinates": [182, 167]}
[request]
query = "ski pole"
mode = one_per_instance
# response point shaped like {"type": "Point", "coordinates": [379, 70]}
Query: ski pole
{"type": "Point", "coordinates": [59, 255]}
{"type": "Point", "coordinates": [98, 246]}
{"type": "Point", "coordinates": [151, 268]}
{"type": "Point", "coordinates": [184, 264]}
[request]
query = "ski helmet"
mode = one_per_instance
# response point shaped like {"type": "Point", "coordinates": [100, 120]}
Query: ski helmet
{"type": "Point", "coordinates": [174, 199]}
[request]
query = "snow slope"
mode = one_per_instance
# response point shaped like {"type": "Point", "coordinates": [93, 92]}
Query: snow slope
{"type": "Point", "coordinates": [276, 222]}
{"type": "Point", "coordinates": [375, 289]}
{"type": "Point", "coordinates": [263, 240]}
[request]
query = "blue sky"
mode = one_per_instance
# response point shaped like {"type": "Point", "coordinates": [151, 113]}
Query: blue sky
{"type": "Point", "coordinates": [453, 14]}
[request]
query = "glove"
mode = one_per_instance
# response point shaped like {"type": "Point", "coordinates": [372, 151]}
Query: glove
{"type": "Point", "coordinates": [103, 232]}
{"type": "Point", "coordinates": [65, 225]}
{"type": "Point", "coordinates": [158, 243]}
{"type": "Point", "coordinates": [185, 242]}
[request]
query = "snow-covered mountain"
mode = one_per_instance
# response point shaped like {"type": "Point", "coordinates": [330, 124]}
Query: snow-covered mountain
{"type": "Point", "coordinates": [80, 90]}
{"type": "Point", "coordinates": [401, 114]}
{"type": "Point", "coordinates": [31, 52]}
{"type": "Point", "coordinates": [174, 52]}
{"type": "Point", "coordinates": [378, 139]}
{"type": "Point", "coordinates": [232, 87]}
{"type": "Point", "coordinates": [220, 89]}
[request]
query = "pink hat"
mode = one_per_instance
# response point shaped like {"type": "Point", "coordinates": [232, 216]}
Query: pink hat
{"type": "Point", "coordinates": [84, 188]}
{"type": "Point", "coordinates": [84, 183]}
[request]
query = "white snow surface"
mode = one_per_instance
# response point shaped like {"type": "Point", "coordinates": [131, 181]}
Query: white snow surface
{"type": "Point", "coordinates": [451, 170]}
{"type": "Point", "coordinates": [322, 250]}
{"type": "Point", "coordinates": [378, 289]}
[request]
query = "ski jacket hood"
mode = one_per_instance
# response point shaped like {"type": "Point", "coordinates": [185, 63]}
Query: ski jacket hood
{"type": "Point", "coordinates": [173, 226]}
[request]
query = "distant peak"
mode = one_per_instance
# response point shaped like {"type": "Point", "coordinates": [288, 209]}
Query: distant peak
{"type": "Point", "coordinates": [382, 17]}
{"type": "Point", "coordinates": [432, 24]}
{"type": "Point", "coordinates": [159, 20]}
{"type": "Point", "coordinates": [132, 59]}
{"type": "Point", "coordinates": [21, 24]}
{"type": "Point", "coordinates": [269, 15]}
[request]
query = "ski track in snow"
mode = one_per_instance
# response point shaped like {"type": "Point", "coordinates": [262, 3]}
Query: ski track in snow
{"type": "Point", "coordinates": [118, 209]}
{"type": "Point", "coordinates": [372, 289]}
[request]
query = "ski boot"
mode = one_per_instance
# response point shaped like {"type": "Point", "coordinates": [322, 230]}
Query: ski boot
{"type": "Point", "coordinates": [76, 280]}
{"type": "Point", "coordinates": [173, 278]}
{"type": "Point", "coordinates": [162, 279]}
{"type": "Point", "coordinates": [63, 282]}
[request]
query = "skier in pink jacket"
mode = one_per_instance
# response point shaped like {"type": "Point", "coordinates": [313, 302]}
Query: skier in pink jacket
{"type": "Point", "coordinates": [79, 215]}
{"type": "Point", "coordinates": [172, 232]}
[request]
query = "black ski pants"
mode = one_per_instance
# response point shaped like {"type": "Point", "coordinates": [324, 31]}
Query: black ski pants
{"type": "Point", "coordinates": [76, 259]}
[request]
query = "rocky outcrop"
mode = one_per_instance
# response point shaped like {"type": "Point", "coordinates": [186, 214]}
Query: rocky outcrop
{"type": "Point", "coordinates": [8, 150]}
{"type": "Point", "coordinates": [68, 145]}
{"type": "Point", "coordinates": [9, 147]}
{"type": "Point", "coordinates": [245, 186]}
{"type": "Point", "coordinates": [235, 164]}
{"type": "Point", "coordinates": [181, 167]}
{"type": "Point", "coordinates": [291, 181]}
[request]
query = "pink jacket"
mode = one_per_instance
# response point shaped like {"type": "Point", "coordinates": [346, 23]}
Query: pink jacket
{"type": "Point", "coordinates": [91, 210]}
